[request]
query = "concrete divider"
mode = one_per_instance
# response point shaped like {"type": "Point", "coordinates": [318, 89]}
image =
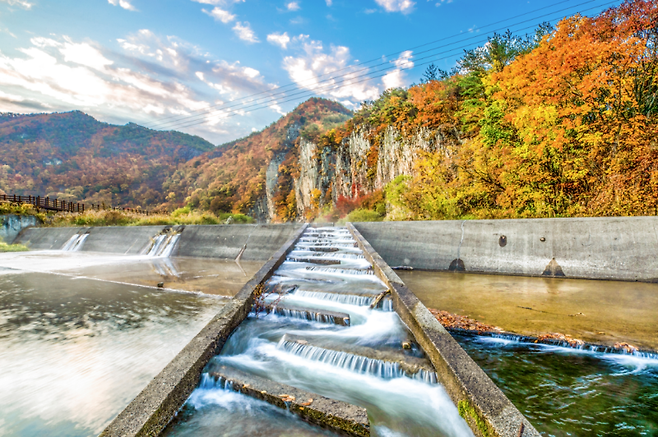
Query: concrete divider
{"type": "Point", "coordinates": [484, 407]}
{"type": "Point", "coordinates": [226, 241]}
{"type": "Point", "coordinates": [150, 412]}
{"type": "Point", "coordinates": [619, 248]}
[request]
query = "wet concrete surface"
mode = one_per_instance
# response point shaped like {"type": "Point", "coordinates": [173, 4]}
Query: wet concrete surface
{"type": "Point", "coordinates": [204, 275]}
{"type": "Point", "coordinates": [604, 312]}
{"type": "Point", "coordinates": [209, 276]}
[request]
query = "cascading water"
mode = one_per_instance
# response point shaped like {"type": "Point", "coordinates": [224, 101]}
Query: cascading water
{"type": "Point", "coordinates": [163, 244]}
{"type": "Point", "coordinates": [372, 362]}
{"type": "Point", "coordinates": [75, 243]}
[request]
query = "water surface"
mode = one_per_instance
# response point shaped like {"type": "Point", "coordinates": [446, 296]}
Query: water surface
{"type": "Point", "coordinates": [568, 392]}
{"type": "Point", "coordinates": [603, 312]}
{"type": "Point", "coordinates": [74, 352]}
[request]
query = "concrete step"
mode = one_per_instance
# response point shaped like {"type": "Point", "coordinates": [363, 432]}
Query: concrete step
{"type": "Point", "coordinates": [339, 416]}
{"type": "Point", "coordinates": [413, 367]}
{"type": "Point", "coordinates": [311, 314]}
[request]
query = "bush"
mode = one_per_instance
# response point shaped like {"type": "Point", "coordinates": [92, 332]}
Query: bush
{"type": "Point", "coordinates": [4, 247]}
{"type": "Point", "coordinates": [364, 215]}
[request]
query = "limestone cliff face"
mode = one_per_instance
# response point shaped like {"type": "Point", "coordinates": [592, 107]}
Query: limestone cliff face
{"type": "Point", "coordinates": [346, 172]}
{"type": "Point", "coordinates": [272, 171]}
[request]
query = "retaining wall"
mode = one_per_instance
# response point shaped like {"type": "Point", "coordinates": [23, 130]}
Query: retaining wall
{"type": "Point", "coordinates": [11, 225]}
{"type": "Point", "coordinates": [206, 241]}
{"type": "Point", "coordinates": [620, 248]}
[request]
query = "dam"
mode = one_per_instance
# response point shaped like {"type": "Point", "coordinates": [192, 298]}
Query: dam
{"type": "Point", "coordinates": [312, 331]}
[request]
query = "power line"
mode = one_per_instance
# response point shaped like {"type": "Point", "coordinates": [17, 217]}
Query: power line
{"type": "Point", "coordinates": [349, 77]}
{"type": "Point", "coordinates": [293, 84]}
{"type": "Point", "coordinates": [367, 78]}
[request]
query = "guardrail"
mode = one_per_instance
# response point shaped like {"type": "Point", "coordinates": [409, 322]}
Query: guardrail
{"type": "Point", "coordinates": [62, 205]}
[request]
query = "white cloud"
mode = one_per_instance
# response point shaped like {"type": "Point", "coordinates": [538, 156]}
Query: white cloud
{"type": "Point", "coordinates": [22, 3]}
{"type": "Point", "coordinates": [396, 78]}
{"type": "Point", "coordinates": [84, 54]}
{"type": "Point", "coordinates": [243, 30]}
{"type": "Point", "coordinates": [404, 6]}
{"type": "Point", "coordinates": [314, 68]}
{"type": "Point", "coordinates": [329, 2]}
{"type": "Point", "coordinates": [152, 76]}
{"type": "Point", "coordinates": [220, 15]}
{"type": "Point", "coordinates": [279, 39]}
{"type": "Point", "coordinates": [123, 3]}
{"type": "Point", "coordinates": [293, 6]}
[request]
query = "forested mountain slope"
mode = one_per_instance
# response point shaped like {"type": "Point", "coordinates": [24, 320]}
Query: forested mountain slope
{"type": "Point", "coordinates": [560, 123]}
{"type": "Point", "coordinates": [74, 157]}
{"type": "Point", "coordinates": [246, 175]}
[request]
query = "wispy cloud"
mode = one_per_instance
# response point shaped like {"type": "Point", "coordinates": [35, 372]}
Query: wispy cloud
{"type": "Point", "coordinates": [293, 6]}
{"type": "Point", "coordinates": [243, 30]}
{"type": "Point", "coordinates": [315, 68]}
{"type": "Point", "coordinates": [279, 39]}
{"type": "Point", "coordinates": [329, 2]}
{"type": "Point", "coordinates": [220, 15]}
{"type": "Point", "coordinates": [404, 6]}
{"type": "Point", "coordinates": [148, 77]}
{"type": "Point", "coordinates": [22, 3]}
{"type": "Point", "coordinates": [123, 3]}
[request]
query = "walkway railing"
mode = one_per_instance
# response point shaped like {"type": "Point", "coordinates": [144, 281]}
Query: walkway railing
{"type": "Point", "coordinates": [62, 205]}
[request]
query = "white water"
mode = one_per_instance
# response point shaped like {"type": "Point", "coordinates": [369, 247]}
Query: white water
{"type": "Point", "coordinates": [350, 299]}
{"type": "Point", "coordinates": [398, 403]}
{"type": "Point", "coordinates": [163, 245]}
{"type": "Point", "coordinates": [75, 243]}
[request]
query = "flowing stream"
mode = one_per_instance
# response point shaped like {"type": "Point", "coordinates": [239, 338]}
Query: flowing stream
{"type": "Point", "coordinates": [565, 391]}
{"type": "Point", "coordinates": [361, 355]}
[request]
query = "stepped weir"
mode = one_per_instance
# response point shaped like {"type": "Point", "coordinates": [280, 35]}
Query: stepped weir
{"type": "Point", "coordinates": [327, 331]}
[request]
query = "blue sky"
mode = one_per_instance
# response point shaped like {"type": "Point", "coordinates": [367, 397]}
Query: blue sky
{"type": "Point", "coordinates": [199, 65]}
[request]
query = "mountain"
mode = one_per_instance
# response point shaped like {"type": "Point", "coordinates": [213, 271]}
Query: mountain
{"type": "Point", "coordinates": [74, 157]}
{"type": "Point", "coordinates": [249, 175]}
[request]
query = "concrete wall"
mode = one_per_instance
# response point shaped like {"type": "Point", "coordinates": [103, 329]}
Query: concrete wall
{"type": "Point", "coordinates": [11, 225]}
{"type": "Point", "coordinates": [621, 248]}
{"type": "Point", "coordinates": [45, 238]}
{"type": "Point", "coordinates": [208, 241]}
{"type": "Point", "coordinates": [226, 241]}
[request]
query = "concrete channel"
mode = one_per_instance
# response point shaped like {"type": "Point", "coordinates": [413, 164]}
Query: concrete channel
{"type": "Point", "coordinates": [484, 407]}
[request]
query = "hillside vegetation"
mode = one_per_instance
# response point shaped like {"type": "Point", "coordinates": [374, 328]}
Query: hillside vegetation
{"type": "Point", "coordinates": [234, 177]}
{"type": "Point", "coordinates": [561, 123]}
{"type": "Point", "coordinates": [74, 157]}
{"type": "Point", "coordinates": [555, 124]}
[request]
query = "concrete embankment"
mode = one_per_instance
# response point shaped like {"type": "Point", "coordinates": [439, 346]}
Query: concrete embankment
{"type": "Point", "coordinates": [204, 241]}
{"type": "Point", "coordinates": [617, 248]}
{"type": "Point", "coordinates": [480, 402]}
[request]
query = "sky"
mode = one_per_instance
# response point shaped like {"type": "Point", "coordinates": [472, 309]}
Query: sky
{"type": "Point", "coordinates": [222, 69]}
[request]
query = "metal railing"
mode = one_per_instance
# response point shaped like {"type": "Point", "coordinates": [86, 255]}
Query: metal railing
{"type": "Point", "coordinates": [62, 205]}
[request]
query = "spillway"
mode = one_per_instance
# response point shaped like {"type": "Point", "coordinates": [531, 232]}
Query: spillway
{"type": "Point", "coordinates": [372, 362]}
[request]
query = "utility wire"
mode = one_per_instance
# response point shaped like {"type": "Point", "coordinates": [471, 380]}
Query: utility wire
{"type": "Point", "coordinates": [315, 91]}
{"type": "Point", "coordinates": [192, 120]}
{"type": "Point", "coordinates": [293, 84]}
